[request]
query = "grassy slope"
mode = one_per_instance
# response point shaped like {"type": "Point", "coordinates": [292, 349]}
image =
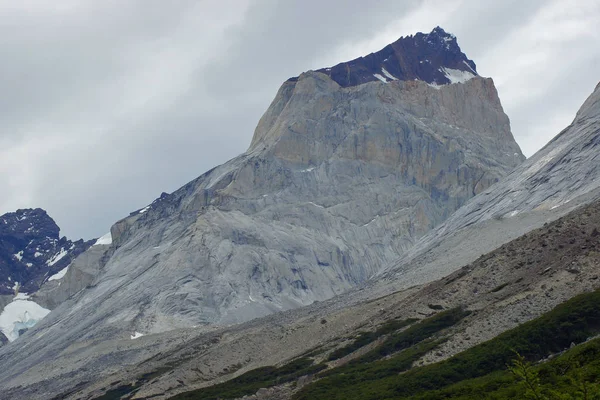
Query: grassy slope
{"type": "Point", "coordinates": [415, 341]}
{"type": "Point", "coordinates": [478, 373]}
{"type": "Point", "coordinates": [570, 322]}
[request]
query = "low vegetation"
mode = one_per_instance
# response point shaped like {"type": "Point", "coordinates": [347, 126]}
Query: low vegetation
{"type": "Point", "coordinates": [365, 338]}
{"type": "Point", "coordinates": [482, 370]}
{"type": "Point", "coordinates": [251, 381]}
{"type": "Point", "coordinates": [414, 340]}
{"type": "Point", "coordinates": [506, 367]}
{"type": "Point", "coordinates": [574, 375]}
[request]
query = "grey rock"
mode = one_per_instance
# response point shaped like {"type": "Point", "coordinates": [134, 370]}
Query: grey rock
{"type": "Point", "coordinates": [336, 183]}
{"type": "Point", "coordinates": [562, 176]}
{"type": "Point", "coordinates": [80, 275]}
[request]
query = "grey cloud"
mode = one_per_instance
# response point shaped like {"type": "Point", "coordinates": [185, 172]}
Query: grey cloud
{"type": "Point", "coordinates": [107, 104]}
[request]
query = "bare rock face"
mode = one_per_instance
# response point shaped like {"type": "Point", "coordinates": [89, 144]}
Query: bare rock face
{"type": "Point", "coordinates": [81, 274]}
{"type": "Point", "coordinates": [562, 176]}
{"type": "Point", "coordinates": [337, 182]}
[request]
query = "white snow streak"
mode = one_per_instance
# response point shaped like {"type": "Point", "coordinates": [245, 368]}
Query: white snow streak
{"type": "Point", "coordinates": [456, 75]}
{"type": "Point", "coordinates": [387, 74]}
{"type": "Point", "coordinates": [106, 239]}
{"type": "Point", "coordinates": [57, 257]}
{"type": "Point", "coordinates": [60, 274]}
{"type": "Point", "coordinates": [468, 66]}
{"type": "Point", "coordinates": [381, 78]}
{"type": "Point", "coordinates": [20, 314]}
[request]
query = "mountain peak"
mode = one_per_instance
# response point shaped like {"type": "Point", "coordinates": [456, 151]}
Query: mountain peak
{"type": "Point", "coordinates": [31, 249]}
{"type": "Point", "coordinates": [29, 222]}
{"type": "Point", "coordinates": [434, 58]}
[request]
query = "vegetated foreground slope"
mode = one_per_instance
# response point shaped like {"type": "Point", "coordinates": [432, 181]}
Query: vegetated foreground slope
{"type": "Point", "coordinates": [500, 291]}
{"type": "Point", "coordinates": [568, 324]}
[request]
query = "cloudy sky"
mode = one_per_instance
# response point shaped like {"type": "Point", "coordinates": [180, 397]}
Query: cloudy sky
{"type": "Point", "coordinates": [106, 104]}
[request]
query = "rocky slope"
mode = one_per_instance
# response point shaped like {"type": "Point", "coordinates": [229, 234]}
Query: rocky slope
{"type": "Point", "coordinates": [517, 282]}
{"type": "Point", "coordinates": [514, 283]}
{"type": "Point", "coordinates": [559, 178]}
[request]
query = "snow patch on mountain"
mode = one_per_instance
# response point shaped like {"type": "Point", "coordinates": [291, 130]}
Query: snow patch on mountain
{"type": "Point", "coordinates": [57, 257]}
{"type": "Point", "coordinates": [19, 255]}
{"type": "Point", "coordinates": [106, 239]}
{"type": "Point", "coordinates": [456, 75]}
{"type": "Point", "coordinates": [60, 274]}
{"type": "Point", "coordinates": [381, 78]}
{"type": "Point", "coordinates": [143, 210]}
{"type": "Point", "coordinates": [388, 75]}
{"type": "Point", "coordinates": [19, 315]}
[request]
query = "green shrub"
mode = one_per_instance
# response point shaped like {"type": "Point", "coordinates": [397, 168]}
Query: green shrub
{"type": "Point", "coordinates": [251, 381]}
{"type": "Point", "coordinates": [570, 322]}
{"type": "Point", "coordinates": [365, 338]}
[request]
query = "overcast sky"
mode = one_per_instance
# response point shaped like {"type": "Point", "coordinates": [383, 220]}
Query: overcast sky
{"type": "Point", "coordinates": [106, 104]}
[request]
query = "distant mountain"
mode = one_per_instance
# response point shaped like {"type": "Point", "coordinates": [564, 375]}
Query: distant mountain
{"type": "Point", "coordinates": [31, 250]}
{"type": "Point", "coordinates": [31, 254]}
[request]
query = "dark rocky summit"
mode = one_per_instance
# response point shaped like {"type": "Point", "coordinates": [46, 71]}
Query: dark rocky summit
{"type": "Point", "coordinates": [434, 58]}
{"type": "Point", "coordinates": [31, 250]}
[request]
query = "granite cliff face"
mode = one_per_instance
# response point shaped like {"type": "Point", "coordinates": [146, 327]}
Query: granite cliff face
{"type": "Point", "coordinates": [337, 182]}
{"type": "Point", "coordinates": [559, 178]}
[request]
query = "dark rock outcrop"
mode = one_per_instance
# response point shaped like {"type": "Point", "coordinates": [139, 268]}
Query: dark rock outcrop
{"type": "Point", "coordinates": [434, 58]}
{"type": "Point", "coordinates": [31, 250]}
